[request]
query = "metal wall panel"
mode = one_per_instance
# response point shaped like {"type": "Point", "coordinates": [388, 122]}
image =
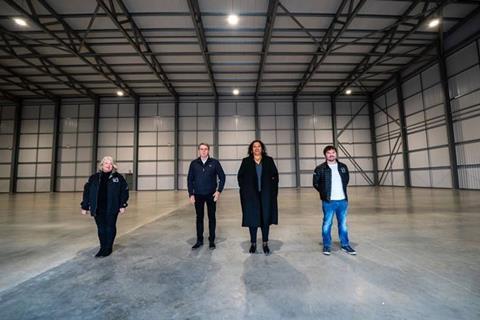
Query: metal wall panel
{"type": "Point", "coordinates": [236, 132]}
{"type": "Point", "coordinates": [276, 124]}
{"type": "Point", "coordinates": [196, 125]}
{"type": "Point", "coordinates": [314, 133]}
{"type": "Point", "coordinates": [156, 145]}
{"type": "Point", "coordinates": [426, 130]}
{"type": "Point", "coordinates": [35, 147]}
{"type": "Point", "coordinates": [354, 140]}
{"type": "Point", "coordinates": [7, 119]}
{"type": "Point", "coordinates": [74, 160]}
{"type": "Point", "coordinates": [115, 136]}
{"type": "Point", "coordinates": [388, 137]}
{"type": "Point", "coordinates": [464, 80]}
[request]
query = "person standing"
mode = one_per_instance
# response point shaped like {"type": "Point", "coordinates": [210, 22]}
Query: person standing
{"type": "Point", "coordinates": [105, 195]}
{"type": "Point", "coordinates": [330, 179]}
{"type": "Point", "coordinates": [258, 182]}
{"type": "Point", "coordinates": [206, 180]}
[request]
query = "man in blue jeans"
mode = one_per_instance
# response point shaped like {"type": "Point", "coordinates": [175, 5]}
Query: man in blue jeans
{"type": "Point", "coordinates": [330, 179]}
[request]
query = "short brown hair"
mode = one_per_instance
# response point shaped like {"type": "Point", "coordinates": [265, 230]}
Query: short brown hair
{"type": "Point", "coordinates": [204, 144]}
{"type": "Point", "coordinates": [328, 148]}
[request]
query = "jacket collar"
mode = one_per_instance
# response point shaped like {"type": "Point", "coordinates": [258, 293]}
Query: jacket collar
{"type": "Point", "coordinates": [112, 174]}
{"type": "Point", "coordinates": [209, 159]}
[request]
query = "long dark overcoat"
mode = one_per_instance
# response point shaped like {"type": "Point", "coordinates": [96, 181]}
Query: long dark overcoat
{"type": "Point", "coordinates": [254, 204]}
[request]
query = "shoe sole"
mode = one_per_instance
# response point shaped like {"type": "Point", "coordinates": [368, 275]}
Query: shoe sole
{"type": "Point", "coordinates": [350, 253]}
{"type": "Point", "coordinates": [326, 253]}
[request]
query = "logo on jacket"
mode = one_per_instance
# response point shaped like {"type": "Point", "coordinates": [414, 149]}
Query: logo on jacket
{"type": "Point", "coordinates": [115, 179]}
{"type": "Point", "coordinates": [343, 170]}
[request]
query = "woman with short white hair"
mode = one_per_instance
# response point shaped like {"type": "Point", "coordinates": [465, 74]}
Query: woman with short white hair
{"type": "Point", "coordinates": [105, 195]}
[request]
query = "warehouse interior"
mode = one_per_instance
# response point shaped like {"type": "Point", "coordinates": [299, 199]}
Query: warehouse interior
{"type": "Point", "coordinates": [393, 84]}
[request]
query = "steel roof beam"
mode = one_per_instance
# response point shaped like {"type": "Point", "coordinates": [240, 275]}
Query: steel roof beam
{"type": "Point", "coordinates": [365, 65]}
{"type": "Point", "coordinates": [73, 43]}
{"type": "Point", "coordinates": [267, 37]}
{"type": "Point", "coordinates": [196, 15]}
{"type": "Point", "coordinates": [328, 42]}
{"type": "Point", "coordinates": [138, 41]}
{"type": "Point", "coordinates": [25, 83]}
{"type": "Point", "coordinates": [46, 66]}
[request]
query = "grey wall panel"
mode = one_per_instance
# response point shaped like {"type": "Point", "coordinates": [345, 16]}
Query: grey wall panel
{"type": "Point", "coordinates": [236, 131]}
{"type": "Point", "coordinates": [156, 137]}
{"type": "Point", "coordinates": [468, 154]}
{"type": "Point", "coordinates": [464, 80]}
{"type": "Point", "coordinates": [35, 147]}
{"type": "Point", "coordinates": [462, 59]}
{"type": "Point", "coordinates": [276, 131]}
{"type": "Point", "coordinates": [420, 178]}
{"type": "Point", "coordinates": [387, 135]}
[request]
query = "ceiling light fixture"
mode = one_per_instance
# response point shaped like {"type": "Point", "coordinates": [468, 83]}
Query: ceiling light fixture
{"type": "Point", "coordinates": [348, 91]}
{"type": "Point", "coordinates": [434, 23]}
{"type": "Point", "coordinates": [232, 19]}
{"type": "Point", "coordinates": [20, 21]}
{"type": "Point", "coordinates": [120, 93]}
{"type": "Point", "coordinates": [236, 92]}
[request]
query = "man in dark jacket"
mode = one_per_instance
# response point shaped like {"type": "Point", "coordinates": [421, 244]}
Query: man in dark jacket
{"type": "Point", "coordinates": [204, 187]}
{"type": "Point", "coordinates": [330, 179]}
{"type": "Point", "coordinates": [105, 195]}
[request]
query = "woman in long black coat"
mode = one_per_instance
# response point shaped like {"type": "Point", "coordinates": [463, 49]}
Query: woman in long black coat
{"type": "Point", "coordinates": [258, 182]}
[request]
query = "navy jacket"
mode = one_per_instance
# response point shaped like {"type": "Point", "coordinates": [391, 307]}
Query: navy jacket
{"type": "Point", "coordinates": [202, 178]}
{"type": "Point", "coordinates": [322, 179]}
{"type": "Point", "coordinates": [117, 193]}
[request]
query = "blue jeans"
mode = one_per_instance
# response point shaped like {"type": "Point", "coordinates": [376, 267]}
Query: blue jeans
{"type": "Point", "coordinates": [340, 209]}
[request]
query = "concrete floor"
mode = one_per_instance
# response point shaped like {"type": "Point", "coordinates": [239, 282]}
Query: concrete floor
{"type": "Point", "coordinates": [418, 258]}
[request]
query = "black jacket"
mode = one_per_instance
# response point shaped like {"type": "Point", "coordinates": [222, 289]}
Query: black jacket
{"type": "Point", "coordinates": [202, 178]}
{"type": "Point", "coordinates": [252, 204]}
{"type": "Point", "coordinates": [322, 179]}
{"type": "Point", "coordinates": [117, 193]}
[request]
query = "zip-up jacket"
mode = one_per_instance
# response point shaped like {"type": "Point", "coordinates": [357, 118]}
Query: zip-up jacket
{"type": "Point", "coordinates": [322, 179]}
{"type": "Point", "coordinates": [202, 178]}
{"type": "Point", "coordinates": [117, 193]}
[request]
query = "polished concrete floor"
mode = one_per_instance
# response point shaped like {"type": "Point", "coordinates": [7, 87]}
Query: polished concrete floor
{"type": "Point", "coordinates": [418, 258]}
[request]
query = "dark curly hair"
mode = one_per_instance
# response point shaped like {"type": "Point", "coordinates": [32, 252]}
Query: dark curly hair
{"type": "Point", "coordinates": [328, 148]}
{"type": "Point", "coordinates": [250, 148]}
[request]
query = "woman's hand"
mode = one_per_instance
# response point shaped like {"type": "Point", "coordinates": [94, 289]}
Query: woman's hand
{"type": "Point", "coordinates": [84, 212]}
{"type": "Point", "coordinates": [122, 210]}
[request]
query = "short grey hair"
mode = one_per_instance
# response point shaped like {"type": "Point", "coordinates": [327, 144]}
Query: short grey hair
{"type": "Point", "coordinates": [110, 159]}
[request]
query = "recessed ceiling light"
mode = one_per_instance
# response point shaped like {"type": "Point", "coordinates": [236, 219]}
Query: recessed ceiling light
{"type": "Point", "coordinates": [348, 91]}
{"type": "Point", "coordinates": [433, 23]}
{"type": "Point", "coordinates": [120, 93]}
{"type": "Point", "coordinates": [20, 22]}
{"type": "Point", "coordinates": [232, 19]}
{"type": "Point", "coordinates": [236, 92]}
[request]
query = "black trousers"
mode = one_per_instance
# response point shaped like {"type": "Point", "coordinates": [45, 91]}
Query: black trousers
{"type": "Point", "coordinates": [253, 233]}
{"type": "Point", "coordinates": [200, 201]}
{"type": "Point", "coordinates": [107, 228]}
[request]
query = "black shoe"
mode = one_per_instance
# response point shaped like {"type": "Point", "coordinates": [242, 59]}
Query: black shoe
{"type": "Point", "coordinates": [253, 248]}
{"type": "Point", "coordinates": [100, 253]}
{"type": "Point", "coordinates": [349, 250]}
{"type": "Point", "coordinates": [326, 250]}
{"type": "Point", "coordinates": [197, 245]}
{"type": "Point", "coordinates": [211, 246]}
{"type": "Point", "coordinates": [107, 252]}
{"type": "Point", "coordinates": [266, 249]}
